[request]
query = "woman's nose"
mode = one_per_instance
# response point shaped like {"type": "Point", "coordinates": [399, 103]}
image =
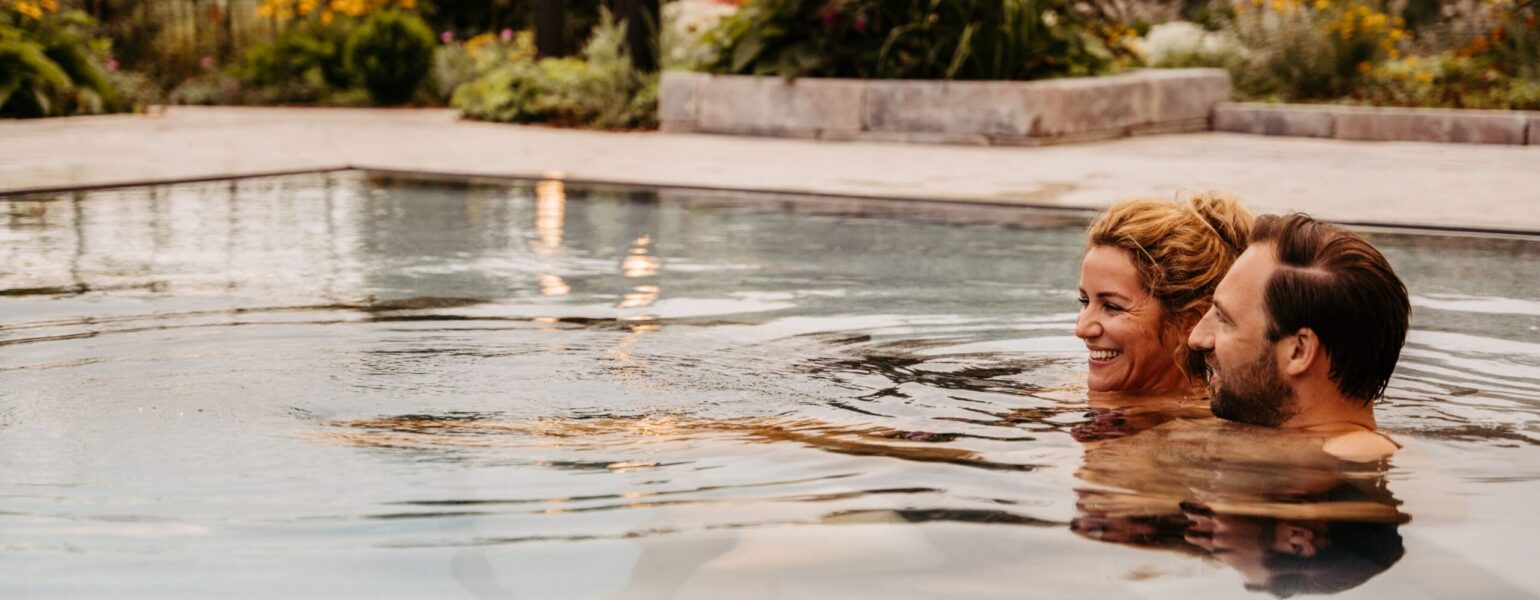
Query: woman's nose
{"type": "Point", "coordinates": [1086, 325]}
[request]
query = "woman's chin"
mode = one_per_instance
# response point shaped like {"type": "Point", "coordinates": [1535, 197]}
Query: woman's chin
{"type": "Point", "coordinates": [1100, 384]}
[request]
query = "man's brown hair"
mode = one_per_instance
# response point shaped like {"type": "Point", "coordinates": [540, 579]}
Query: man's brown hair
{"type": "Point", "coordinates": [1335, 283]}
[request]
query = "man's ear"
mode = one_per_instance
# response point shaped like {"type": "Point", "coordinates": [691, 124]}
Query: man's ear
{"type": "Point", "coordinates": [1300, 351]}
{"type": "Point", "coordinates": [1301, 541]}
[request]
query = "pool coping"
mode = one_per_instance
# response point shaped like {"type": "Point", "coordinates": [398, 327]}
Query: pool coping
{"type": "Point", "coordinates": [1410, 228]}
{"type": "Point", "coordinates": [1473, 188]}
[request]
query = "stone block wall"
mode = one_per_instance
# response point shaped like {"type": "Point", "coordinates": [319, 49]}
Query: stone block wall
{"type": "Point", "coordinates": [974, 112]}
{"type": "Point", "coordinates": [1381, 124]}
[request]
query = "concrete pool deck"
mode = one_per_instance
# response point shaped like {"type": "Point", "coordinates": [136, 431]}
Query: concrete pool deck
{"type": "Point", "coordinates": [1382, 183]}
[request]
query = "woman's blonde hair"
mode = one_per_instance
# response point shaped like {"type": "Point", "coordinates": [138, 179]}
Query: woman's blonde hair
{"type": "Point", "coordinates": [1181, 249]}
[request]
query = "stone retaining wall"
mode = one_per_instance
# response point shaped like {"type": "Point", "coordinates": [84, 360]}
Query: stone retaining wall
{"type": "Point", "coordinates": [1381, 124]}
{"type": "Point", "coordinates": [975, 112]}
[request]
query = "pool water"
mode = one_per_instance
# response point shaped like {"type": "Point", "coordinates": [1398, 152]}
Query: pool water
{"type": "Point", "coordinates": [356, 385]}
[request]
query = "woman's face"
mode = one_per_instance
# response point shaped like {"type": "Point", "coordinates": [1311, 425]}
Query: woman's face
{"type": "Point", "coordinates": [1121, 325]}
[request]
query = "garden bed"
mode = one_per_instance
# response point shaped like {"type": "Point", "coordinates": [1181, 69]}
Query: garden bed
{"type": "Point", "coordinates": [973, 112]}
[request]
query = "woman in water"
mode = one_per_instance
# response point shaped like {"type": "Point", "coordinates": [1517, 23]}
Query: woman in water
{"type": "Point", "coordinates": [1148, 276]}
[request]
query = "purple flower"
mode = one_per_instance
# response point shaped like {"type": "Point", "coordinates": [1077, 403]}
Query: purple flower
{"type": "Point", "coordinates": [112, 64]}
{"type": "Point", "coordinates": [860, 24]}
{"type": "Point", "coordinates": [828, 19]}
{"type": "Point", "coordinates": [448, 37]}
{"type": "Point", "coordinates": [207, 62]}
{"type": "Point", "coordinates": [506, 35]}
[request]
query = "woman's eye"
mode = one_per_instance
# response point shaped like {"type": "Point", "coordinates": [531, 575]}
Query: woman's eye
{"type": "Point", "coordinates": [1113, 308]}
{"type": "Point", "coordinates": [1085, 302]}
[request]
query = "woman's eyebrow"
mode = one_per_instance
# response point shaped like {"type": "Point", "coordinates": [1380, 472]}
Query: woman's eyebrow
{"type": "Point", "coordinates": [1111, 295]}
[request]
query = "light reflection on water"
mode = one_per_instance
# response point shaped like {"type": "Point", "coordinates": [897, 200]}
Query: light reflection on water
{"type": "Point", "coordinates": [413, 388]}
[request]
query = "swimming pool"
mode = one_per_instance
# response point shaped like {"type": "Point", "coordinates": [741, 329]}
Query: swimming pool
{"type": "Point", "coordinates": [356, 384]}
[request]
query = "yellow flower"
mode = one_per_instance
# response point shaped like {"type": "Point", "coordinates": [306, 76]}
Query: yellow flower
{"type": "Point", "coordinates": [51, 5]}
{"type": "Point", "coordinates": [475, 44]}
{"type": "Point", "coordinates": [29, 9]}
{"type": "Point", "coordinates": [1322, 4]}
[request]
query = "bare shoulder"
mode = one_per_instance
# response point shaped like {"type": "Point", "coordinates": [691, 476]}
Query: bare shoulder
{"type": "Point", "coordinates": [1361, 446]}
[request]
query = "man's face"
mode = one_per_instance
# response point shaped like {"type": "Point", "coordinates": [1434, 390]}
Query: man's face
{"type": "Point", "coordinates": [1244, 380]}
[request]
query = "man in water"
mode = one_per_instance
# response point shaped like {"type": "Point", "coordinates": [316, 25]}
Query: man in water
{"type": "Point", "coordinates": [1304, 333]}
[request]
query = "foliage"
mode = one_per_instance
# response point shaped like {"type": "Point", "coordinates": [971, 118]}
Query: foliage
{"type": "Point", "coordinates": [1482, 54]}
{"type": "Point", "coordinates": [1311, 51]}
{"type": "Point", "coordinates": [1179, 44]}
{"type": "Point", "coordinates": [327, 10]}
{"type": "Point", "coordinates": [391, 53]}
{"type": "Point", "coordinates": [1448, 81]}
{"type": "Point", "coordinates": [920, 39]}
{"type": "Point", "coordinates": [1511, 45]}
{"type": "Point", "coordinates": [51, 62]}
{"type": "Point", "coordinates": [602, 89]}
{"type": "Point", "coordinates": [685, 24]}
{"type": "Point", "coordinates": [212, 88]}
{"type": "Point", "coordinates": [303, 64]}
{"type": "Point", "coordinates": [135, 91]}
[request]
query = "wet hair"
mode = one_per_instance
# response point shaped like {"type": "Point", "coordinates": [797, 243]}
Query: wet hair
{"type": "Point", "coordinates": [1335, 283]}
{"type": "Point", "coordinates": [1181, 250]}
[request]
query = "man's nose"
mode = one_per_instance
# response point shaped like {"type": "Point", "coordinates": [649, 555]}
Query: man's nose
{"type": "Point", "coordinates": [1202, 336]}
{"type": "Point", "coordinates": [1086, 325]}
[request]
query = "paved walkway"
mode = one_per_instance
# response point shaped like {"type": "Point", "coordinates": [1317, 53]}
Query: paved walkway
{"type": "Point", "coordinates": [1467, 186]}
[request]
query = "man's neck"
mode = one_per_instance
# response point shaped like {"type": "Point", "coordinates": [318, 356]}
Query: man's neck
{"type": "Point", "coordinates": [1324, 409]}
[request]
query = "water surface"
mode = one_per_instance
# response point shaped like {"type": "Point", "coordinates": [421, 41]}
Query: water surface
{"type": "Point", "coordinates": [353, 385]}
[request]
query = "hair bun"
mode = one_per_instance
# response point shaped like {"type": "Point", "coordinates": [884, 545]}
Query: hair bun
{"type": "Point", "coordinates": [1223, 213]}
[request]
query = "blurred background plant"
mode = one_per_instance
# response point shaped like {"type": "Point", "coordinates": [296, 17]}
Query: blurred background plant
{"type": "Point", "coordinates": [83, 56]}
{"type": "Point", "coordinates": [685, 24]}
{"type": "Point", "coordinates": [921, 39]}
{"type": "Point", "coordinates": [601, 88]}
{"type": "Point", "coordinates": [391, 53]}
{"type": "Point", "coordinates": [1461, 54]}
{"type": "Point", "coordinates": [52, 62]}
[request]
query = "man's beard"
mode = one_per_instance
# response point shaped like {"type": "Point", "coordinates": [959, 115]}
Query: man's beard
{"type": "Point", "coordinates": [1254, 393]}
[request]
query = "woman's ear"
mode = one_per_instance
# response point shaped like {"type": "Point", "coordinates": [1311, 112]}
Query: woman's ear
{"type": "Point", "coordinates": [1300, 351]}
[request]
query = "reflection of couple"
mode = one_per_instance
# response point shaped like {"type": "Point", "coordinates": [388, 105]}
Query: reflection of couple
{"type": "Point", "coordinates": [1296, 326]}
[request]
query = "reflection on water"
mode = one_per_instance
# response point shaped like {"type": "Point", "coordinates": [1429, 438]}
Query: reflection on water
{"type": "Point", "coordinates": [475, 386]}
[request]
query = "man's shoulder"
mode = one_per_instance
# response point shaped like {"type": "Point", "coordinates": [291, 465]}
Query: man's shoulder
{"type": "Point", "coordinates": [1361, 446]}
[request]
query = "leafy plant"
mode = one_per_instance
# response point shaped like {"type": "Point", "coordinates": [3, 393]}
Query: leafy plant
{"type": "Point", "coordinates": [304, 64]}
{"type": "Point", "coordinates": [51, 63]}
{"type": "Point", "coordinates": [1316, 50]}
{"type": "Point", "coordinates": [391, 53]}
{"type": "Point", "coordinates": [601, 89]}
{"type": "Point", "coordinates": [920, 39]}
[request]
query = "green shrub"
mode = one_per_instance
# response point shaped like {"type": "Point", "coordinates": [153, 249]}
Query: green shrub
{"type": "Point", "coordinates": [391, 53]}
{"type": "Point", "coordinates": [211, 88]}
{"type": "Point", "coordinates": [1448, 81]}
{"type": "Point", "coordinates": [1294, 50]}
{"type": "Point", "coordinates": [602, 89]}
{"type": "Point", "coordinates": [920, 39]}
{"type": "Point", "coordinates": [51, 65]}
{"type": "Point", "coordinates": [306, 50]}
